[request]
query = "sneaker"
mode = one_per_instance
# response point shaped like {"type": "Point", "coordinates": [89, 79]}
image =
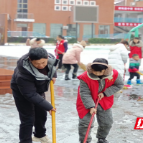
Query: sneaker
{"type": "Point", "coordinates": [129, 82]}
{"type": "Point", "coordinates": [138, 81]}
{"type": "Point", "coordinates": [74, 76]}
{"type": "Point", "coordinates": [102, 141]}
{"type": "Point", "coordinates": [60, 70]}
{"type": "Point", "coordinates": [42, 140]}
{"type": "Point", "coordinates": [67, 77]}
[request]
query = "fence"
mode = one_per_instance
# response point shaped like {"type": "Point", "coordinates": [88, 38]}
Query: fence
{"type": "Point", "coordinates": [130, 20]}
{"type": "Point", "coordinates": [109, 36]}
{"type": "Point", "coordinates": [25, 34]}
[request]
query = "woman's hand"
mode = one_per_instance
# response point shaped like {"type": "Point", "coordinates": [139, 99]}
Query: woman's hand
{"type": "Point", "coordinates": [54, 80]}
{"type": "Point", "coordinates": [50, 112]}
{"type": "Point", "coordinates": [100, 95]}
{"type": "Point", "coordinates": [93, 111]}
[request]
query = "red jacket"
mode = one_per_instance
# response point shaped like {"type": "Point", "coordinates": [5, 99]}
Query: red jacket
{"type": "Point", "coordinates": [93, 85]}
{"type": "Point", "coordinates": [60, 47]}
{"type": "Point", "coordinates": [135, 50]}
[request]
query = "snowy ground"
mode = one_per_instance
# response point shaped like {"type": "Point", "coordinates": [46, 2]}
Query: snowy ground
{"type": "Point", "coordinates": [125, 110]}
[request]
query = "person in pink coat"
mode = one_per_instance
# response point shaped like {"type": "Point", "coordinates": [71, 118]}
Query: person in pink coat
{"type": "Point", "coordinates": [72, 58]}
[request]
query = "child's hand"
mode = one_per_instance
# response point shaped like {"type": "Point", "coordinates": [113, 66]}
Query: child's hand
{"type": "Point", "coordinates": [93, 111]}
{"type": "Point", "coordinates": [100, 95]}
{"type": "Point", "coordinates": [50, 112]}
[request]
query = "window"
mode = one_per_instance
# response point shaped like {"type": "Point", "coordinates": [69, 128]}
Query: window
{"type": "Point", "coordinates": [55, 30]}
{"type": "Point", "coordinates": [65, 8]}
{"type": "Point", "coordinates": [39, 28]}
{"type": "Point", "coordinates": [70, 8]}
{"type": "Point", "coordinates": [87, 30]}
{"type": "Point", "coordinates": [71, 2]}
{"type": "Point", "coordinates": [104, 29]}
{"type": "Point", "coordinates": [57, 7]}
{"type": "Point", "coordinates": [86, 3]}
{"type": "Point", "coordinates": [71, 31]}
{"type": "Point", "coordinates": [78, 2]}
{"type": "Point", "coordinates": [22, 6]}
{"type": "Point", "coordinates": [92, 3]}
{"type": "Point", "coordinates": [57, 1]}
{"type": "Point", "coordinates": [65, 2]}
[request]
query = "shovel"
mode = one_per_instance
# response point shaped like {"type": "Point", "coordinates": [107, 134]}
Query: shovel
{"type": "Point", "coordinates": [90, 123]}
{"type": "Point", "coordinates": [53, 113]}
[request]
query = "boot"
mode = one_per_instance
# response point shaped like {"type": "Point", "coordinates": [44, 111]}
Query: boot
{"type": "Point", "coordinates": [74, 76]}
{"type": "Point", "coordinates": [42, 140]}
{"type": "Point", "coordinates": [102, 141]}
{"type": "Point", "coordinates": [129, 82]}
{"type": "Point", "coordinates": [67, 77]}
{"type": "Point", "coordinates": [138, 81]}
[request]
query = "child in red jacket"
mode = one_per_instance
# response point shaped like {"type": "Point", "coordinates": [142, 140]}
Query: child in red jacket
{"type": "Point", "coordinates": [100, 81]}
{"type": "Point", "coordinates": [134, 68]}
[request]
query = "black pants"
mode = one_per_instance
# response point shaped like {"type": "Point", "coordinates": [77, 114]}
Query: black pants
{"type": "Point", "coordinates": [30, 115]}
{"type": "Point", "coordinates": [68, 68]}
{"type": "Point", "coordinates": [60, 58]}
{"type": "Point", "coordinates": [133, 74]}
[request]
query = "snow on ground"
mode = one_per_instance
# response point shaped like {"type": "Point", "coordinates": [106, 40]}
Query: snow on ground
{"type": "Point", "coordinates": [125, 109]}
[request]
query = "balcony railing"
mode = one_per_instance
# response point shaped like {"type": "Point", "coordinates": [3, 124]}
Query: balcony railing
{"type": "Point", "coordinates": [130, 20]}
{"type": "Point", "coordinates": [24, 16]}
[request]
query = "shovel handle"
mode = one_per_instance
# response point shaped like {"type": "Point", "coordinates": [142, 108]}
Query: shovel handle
{"type": "Point", "coordinates": [53, 113]}
{"type": "Point", "coordinates": [90, 123]}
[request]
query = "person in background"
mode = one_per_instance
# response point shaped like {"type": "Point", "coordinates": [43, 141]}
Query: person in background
{"type": "Point", "coordinates": [29, 83]}
{"type": "Point", "coordinates": [99, 81]}
{"type": "Point", "coordinates": [136, 47]}
{"type": "Point", "coordinates": [134, 68]}
{"type": "Point", "coordinates": [35, 42]}
{"type": "Point", "coordinates": [118, 57]}
{"type": "Point", "coordinates": [72, 58]}
{"type": "Point", "coordinates": [61, 48]}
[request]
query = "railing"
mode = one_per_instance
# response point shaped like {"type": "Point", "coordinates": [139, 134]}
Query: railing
{"type": "Point", "coordinates": [24, 34]}
{"type": "Point", "coordinates": [24, 16]}
{"type": "Point", "coordinates": [130, 20]}
{"type": "Point", "coordinates": [108, 36]}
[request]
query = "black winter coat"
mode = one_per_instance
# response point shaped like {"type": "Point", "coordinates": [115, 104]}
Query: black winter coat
{"type": "Point", "coordinates": [29, 83]}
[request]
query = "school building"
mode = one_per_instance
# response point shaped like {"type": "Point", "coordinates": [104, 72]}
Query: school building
{"type": "Point", "coordinates": [54, 17]}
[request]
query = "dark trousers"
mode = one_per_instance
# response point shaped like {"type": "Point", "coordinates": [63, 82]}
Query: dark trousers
{"type": "Point", "coordinates": [30, 115]}
{"type": "Point", "coordinates": [60, 58]}
{"type": "Point", "coordinates": [133, 74]}
{"type": "Point", "coordinates": [68, 68]}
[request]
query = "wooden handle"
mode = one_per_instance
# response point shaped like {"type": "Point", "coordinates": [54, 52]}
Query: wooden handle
{"type": "Point", "coordinates": [90, 123]}
{"type": "Point", "coordinates": [53, 113]}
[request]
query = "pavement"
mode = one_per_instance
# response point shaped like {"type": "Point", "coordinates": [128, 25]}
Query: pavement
{"type": "Point", "coordinates": [126, 108]}
{"type": "Point", "coordinates": [125, 112]}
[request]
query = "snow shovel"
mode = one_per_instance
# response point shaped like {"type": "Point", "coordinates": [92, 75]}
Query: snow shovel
{"type": "Point", "coordinates": [53, 113]}
{"type": "Point", "coordinates": [90, 123]}
{"type": "Point", "coordinates": [139, 73]}
{"type": "Point", "coordinates": [82, 66]}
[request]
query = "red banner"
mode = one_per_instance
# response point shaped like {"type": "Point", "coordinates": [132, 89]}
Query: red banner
{"type": "Point", "coordinates": [126, 24]}
{"type": "Point", "coordinates": [128, 8]}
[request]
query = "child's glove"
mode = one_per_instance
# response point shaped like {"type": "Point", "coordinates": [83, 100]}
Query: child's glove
{"type": "Point", "coordinates": [93, 111]}
{"type": "Point", "coordinates": [100, 95]}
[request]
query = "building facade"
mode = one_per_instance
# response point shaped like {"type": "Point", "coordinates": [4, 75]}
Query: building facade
{"type": "Point", "coordinates": [128, 14]}
{"type": "Point", "coordinates": [53, 17]}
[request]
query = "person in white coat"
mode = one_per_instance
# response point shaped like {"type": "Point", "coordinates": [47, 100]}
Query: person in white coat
{"type": "Point", "coordinates": [35, 42]}
{"type": "Point", "coordinates": [118, 57]}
